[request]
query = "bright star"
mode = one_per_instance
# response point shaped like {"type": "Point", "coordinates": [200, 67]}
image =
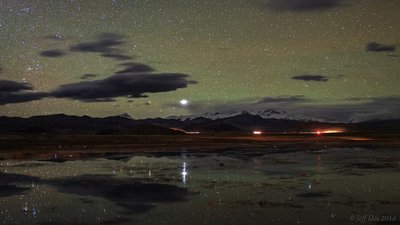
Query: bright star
{"type": "Point", "coordinates": [184, 102]}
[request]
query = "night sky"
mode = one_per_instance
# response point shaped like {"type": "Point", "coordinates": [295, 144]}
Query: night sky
{"type": "Point", "coordinates": [332, 59]}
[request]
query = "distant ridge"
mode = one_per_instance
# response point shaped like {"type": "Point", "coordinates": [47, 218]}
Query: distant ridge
{"type": "Point", "coordinates": [243, 122]}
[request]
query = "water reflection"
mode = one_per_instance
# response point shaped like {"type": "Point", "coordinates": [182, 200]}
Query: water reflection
{"type": "Point", "coordinates": [230, 188]}
{"type": "Point", "coordinates": [184, 173]}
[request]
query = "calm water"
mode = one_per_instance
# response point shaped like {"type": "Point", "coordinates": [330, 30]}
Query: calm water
{"type": "Point", "coordinates": [333, 186]}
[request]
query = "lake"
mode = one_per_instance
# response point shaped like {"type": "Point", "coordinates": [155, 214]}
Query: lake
{"type": "Point", "coordinates": [329, 186]}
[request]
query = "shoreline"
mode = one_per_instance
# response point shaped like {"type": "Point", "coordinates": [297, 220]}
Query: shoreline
{"type": "Point", "coordinates": [86, 146]}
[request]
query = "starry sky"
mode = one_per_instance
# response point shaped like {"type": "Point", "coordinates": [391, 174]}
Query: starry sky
{"type": "Point", "coordinates": [332, 59]}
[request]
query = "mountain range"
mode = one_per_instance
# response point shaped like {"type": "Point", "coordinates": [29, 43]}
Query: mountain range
{"type": "Point", "coordinates": [240, 123]}
{"type": "Point", "coordinates": [266, 114]}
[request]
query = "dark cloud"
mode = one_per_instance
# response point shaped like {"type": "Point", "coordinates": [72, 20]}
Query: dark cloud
{"type": "Point", "coordinates": [13, 86]}
{"type": "Point", "coordinates": [88, 76]}
{"type": "Point", "coordinates": [18, 97]}
{"type": "Point", "coordinates": [52, 53]}
{"type": "Point", "coordinates": [135, 68]}
{"type": "Point", "coordinates": [377, 47]}
{"type": "Point", "coordinates": [285, 99]}
{"type": "Point", "coordinates": [116, 56]}
{"type": "Point", "coordinates": [105, 43]}
{"type": "Point", "coordinates": [134, 82]}
{"type": "Point", "coordinates": [15, 92]}
{"type": "Point", "coordinates": [318, 78]}
{"type": "Point", "coordinates": [302, 5]}
{"type": "Point", "coordinates": [122, 85]}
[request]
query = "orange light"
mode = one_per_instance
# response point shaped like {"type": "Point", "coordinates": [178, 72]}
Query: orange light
{"type": "Point", "coordinates": [332, 131]}
{"type": "Point", "coordinates": [257, 132]}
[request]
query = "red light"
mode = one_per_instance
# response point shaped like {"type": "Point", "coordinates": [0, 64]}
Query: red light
{"type": "Point", "coordinates": [318, 133]}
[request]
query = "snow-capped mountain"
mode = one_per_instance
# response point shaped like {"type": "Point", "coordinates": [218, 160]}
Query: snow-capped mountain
{"type": "Point", "coordinates": [266, 114]}
{"type": "Point", "coordinates": [125, 115]}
